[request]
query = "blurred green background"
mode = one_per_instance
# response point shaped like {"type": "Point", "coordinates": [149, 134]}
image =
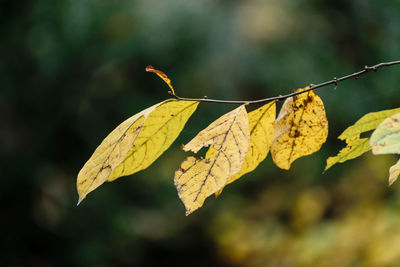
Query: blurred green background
{"type": "Point", "coordinates": [72, 70]}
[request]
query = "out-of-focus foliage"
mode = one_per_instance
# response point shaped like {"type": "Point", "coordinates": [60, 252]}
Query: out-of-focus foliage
{"type": "Point", "coordinates": [71, 70]}
{"type": "Point", "coordinates": [342, 223]}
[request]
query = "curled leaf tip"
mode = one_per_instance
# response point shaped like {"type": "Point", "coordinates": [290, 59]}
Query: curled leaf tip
{"type": "Point", "coordinates": [149, 68]}
{"type": "Point", "coordinates": [80, 200]}
{"type": "Point", "coordinates": [162, 75]}
{"type": "Point", "coordinates": [394, 173]}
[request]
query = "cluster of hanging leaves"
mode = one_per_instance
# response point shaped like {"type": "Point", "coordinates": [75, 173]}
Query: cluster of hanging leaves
{"type": "Point", "coordinates": [385, 139]}
{"type": "Point", "coordinates": [237, 143]}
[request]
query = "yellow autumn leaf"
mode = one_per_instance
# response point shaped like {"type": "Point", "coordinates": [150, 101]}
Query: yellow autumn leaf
{"type": "Point", "coordinates": [355, 146]}
{"type": "Point", "coordinates": [229, 137]}
{"type": "Point", "coordinates": [261, 125]}
{"type": "Point", "coordinates": [394, 172]}
{"type": "Point", "coordinates": [386, 138]}
{"type": "Point", "coordinates": [300, 128]}
{"type": "Point", "coordinates": [367, 123]}
{"type": "Point", "coordinates": [135, 144]}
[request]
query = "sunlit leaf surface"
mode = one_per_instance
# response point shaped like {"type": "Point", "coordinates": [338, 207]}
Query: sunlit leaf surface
{"type": "Point", "coordinates": [135, 144]}
{"type": "Point", "coordinates": [300, 128]}
{"type": "Point", "coordinates": [261, 124]}
{"type": "Point", "coordinates": [229, 137]}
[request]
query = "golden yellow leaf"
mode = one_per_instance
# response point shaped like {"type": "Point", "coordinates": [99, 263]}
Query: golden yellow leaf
{"type": "Point", "coordinates": [394, 172]}
{"type": "Point", "coordinates": [355, 146]}
{"type": "Point", "coordinates": [229, 137]}
{"type": "Point", "coordinates": [135, 144]}
{"type": "Point", "coordinates": [261, 125]}
{"type": "Point", "coordinates": [386, 138]}
{"type": "Point", "coordinates": [300, 129]}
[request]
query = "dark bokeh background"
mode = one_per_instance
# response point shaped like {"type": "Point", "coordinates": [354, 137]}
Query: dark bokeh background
{"type": "Point", "coordinates": [72, 70]}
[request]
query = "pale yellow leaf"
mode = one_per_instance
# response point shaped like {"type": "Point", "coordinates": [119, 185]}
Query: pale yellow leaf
{"type": "Point", "coordinates": [135, 144]}
{"type": "Point", "coordinates": [229, 137]}
{"type": "Point", "coordinates": [261, 125]}
{"type": "Point", "coordinates": [300, 129]}
{"type": "Point", "coordinates": [386, 138]}
{"type": "Point", "coordinates": [394, 172]}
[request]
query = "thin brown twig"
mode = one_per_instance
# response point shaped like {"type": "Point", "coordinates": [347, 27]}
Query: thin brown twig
{"type": "Point", "coordinates": [281, 97]}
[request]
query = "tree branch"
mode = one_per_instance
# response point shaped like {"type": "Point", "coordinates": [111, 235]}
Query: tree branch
{"type": "Point", "coordinates": [281, 97]}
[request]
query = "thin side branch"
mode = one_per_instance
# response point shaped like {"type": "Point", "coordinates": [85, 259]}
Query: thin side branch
{"type": "Point", "coordinates": [281, 97]}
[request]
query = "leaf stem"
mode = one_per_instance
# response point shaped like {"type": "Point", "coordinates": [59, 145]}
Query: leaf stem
{"type": "Point", "coordinates": [335, 81]}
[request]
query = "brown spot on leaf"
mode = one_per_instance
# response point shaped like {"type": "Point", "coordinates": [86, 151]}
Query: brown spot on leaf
{"type": "Point", "coordinates": [302, 116]}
